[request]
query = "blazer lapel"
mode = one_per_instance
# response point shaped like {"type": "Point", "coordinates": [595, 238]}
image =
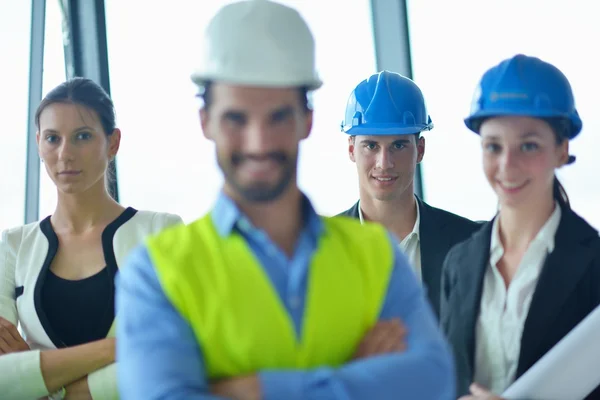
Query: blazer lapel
{"type": "Point", "coordinates": [562, 270]}
{"type": "Point", "coordinates": [473, 264]}
{"type": "Point", "coordinates": [433, 251]}
{"type": "Point", "coordinates": [352, 212]}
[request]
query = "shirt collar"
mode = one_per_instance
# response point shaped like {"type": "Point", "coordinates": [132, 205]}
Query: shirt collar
{"type": "Point", "coordinates": [360, 214]}
{"type": "Point", "coordinates": [226, 216]}
{"type": "Point", "coordinates": [544, 238]}
{"type": "Point", "coordinates": [415, 230]}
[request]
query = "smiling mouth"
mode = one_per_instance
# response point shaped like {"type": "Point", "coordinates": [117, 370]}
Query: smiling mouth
{"type": "Point", "coordinates": [512, 187]}
{"type": "Point", "coordinates": [385, 179]}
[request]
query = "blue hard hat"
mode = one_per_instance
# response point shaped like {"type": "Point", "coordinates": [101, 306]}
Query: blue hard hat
{"type": "Point", "coordinates": [386, 103]}
{"type": "Point", "coordinates": [524, 86]}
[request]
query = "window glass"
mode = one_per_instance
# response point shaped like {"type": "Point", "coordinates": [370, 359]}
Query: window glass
{"type": "Point", "coordinates": [54, 75]}
{"type": "Point", "coordinates": [15, 27]}
{"type": "Point", "coordinates": [449, 56]}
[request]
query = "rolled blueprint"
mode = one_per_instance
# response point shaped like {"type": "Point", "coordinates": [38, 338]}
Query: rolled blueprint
{"type": "Point", "coordinates": [569, 371]}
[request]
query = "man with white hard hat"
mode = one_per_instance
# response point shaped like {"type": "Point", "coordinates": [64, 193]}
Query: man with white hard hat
{"type": "Point", "coordinates": [262, 298]}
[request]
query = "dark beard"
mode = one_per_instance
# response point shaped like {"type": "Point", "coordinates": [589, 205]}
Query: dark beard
{"type": "Point", "coordinates": [259, 192]}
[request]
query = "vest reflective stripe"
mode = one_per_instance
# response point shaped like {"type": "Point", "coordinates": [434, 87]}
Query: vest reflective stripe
{"type": "Point", "coordinates": [219, 287]}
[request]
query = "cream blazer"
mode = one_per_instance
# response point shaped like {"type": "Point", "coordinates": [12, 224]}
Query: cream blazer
{"type": "Point", "coordinates": [26, 253]}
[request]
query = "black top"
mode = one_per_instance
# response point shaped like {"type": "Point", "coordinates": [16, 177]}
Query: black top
{"type": "Point", "coordinates": [80, 311]}
{"type": "Point", "coordinates": [439, 230]}
{"type": "Point", "coordinates": [77, 293]}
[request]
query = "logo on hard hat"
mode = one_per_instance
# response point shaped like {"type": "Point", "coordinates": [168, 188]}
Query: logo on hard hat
{"type": "Point", "coordinates": [508, 95]}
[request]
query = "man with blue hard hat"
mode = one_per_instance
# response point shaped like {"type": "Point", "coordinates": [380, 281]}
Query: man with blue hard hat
{"type": "Point", "coordinates": [385, 116]}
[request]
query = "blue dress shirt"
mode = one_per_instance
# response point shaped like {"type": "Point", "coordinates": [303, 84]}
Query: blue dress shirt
{"type": "Point", "coordinates": [159, 356]}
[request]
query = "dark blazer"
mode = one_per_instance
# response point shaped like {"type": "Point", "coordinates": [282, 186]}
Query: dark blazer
{"type": "Point", "coordinates": [568, 289]}
{"type": "Point", "coordinates": [439, 230]}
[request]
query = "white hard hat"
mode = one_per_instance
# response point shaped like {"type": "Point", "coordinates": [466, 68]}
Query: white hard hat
{"type": "Point", "coordinates": [258, 43]}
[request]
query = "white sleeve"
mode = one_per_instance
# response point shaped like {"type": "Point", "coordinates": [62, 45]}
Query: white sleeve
{"type": "Point", "coordinates": [21, 376]}
{"type": "Point", "coordinates": [103, 383]}
{"type": "Point", "coordinates": [20, 373]}
{"type": "Point", "coordinates": [8, 303]}
{"type": "Point", "coordinates": [164, 220]}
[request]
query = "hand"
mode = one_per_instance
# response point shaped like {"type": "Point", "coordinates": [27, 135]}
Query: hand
{"type": "Point", "coordinates": [10, 339]}
{"type": "Point", "coordinates": [385, 337]}
{"type": "Point", "coordinates": [480, 393]}
{"type": "Point", "coordinates": [239, 388]}
{"type": "Point", "coordinates": [78, 390]}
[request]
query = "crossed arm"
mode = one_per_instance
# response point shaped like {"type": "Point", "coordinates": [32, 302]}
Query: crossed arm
{"type": "Point", "coordinates": [29, 373]}
{"type": "Point", "coordinates": [386, 337]}
{"type": "Point", "coordinates": [26, 373]}
{"type": "Point", "coordinates": [159, 356]}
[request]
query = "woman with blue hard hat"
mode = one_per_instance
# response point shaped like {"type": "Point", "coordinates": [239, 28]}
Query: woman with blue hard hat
{"type": "Point", "coordinates": [529, 276]}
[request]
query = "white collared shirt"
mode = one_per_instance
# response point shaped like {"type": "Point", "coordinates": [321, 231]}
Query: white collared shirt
{"type": "Point", "coordinates": [503, 312]}
{"type": "Point", "coordinates": [410, 245]}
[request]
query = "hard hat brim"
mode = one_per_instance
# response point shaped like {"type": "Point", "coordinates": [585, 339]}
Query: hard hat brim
{"type": "Point", "coordinates": [201, 78]}
{"type": "Point", "coordinates": [386, 131]}
{"type": "Point", "coordinates": [471, 121]}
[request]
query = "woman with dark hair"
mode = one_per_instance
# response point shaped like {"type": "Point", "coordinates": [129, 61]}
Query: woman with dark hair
{"type": "Point", "coordinates": [57, 275]}
{"type": "Point", "coordinates": [529, 276]}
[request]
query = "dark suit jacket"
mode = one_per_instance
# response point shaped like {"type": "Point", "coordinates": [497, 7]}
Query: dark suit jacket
{"type": "Point", "coordinates": [568, 289]}
{"type": "Point", "coordinates": [439, 230]}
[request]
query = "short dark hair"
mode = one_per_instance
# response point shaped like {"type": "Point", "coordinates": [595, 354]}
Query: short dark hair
{"type": "Point", "coordinates": [206, 95]}
{"type": "Point", "coordinates": [416, 135]}
{"type": "Point", "coordinates": [83, 92]}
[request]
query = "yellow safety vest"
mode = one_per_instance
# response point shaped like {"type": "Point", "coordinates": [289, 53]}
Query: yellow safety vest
{"type": "Point", "coordinates": [241, 325]}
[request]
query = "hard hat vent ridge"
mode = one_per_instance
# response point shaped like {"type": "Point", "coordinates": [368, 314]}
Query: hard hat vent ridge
{"type": "Point", "coordinates": [386, 103]}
